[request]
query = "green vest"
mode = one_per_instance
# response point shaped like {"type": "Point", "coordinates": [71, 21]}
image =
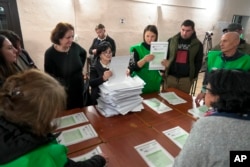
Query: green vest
{"type": "Point", "coordinates": [216, 62]}
{"type": "Point", "coordinates": [50, 155]}
{"type": "Point", "coordinates": [152, 78]}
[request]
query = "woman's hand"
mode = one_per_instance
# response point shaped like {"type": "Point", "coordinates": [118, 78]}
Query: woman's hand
{"type": "Point", "coordinates": [149, 58]}
{"type": "Point", "coordinates": [106, 75]}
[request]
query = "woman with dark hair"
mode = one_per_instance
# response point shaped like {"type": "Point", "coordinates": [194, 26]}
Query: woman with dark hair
{"type": "Point", "coordinates": [65, 60]}
{"type": "Point", "coordinates": [7, 59]}
{"type": "Point", "coordinates": [227, 128]}
{"type": "Point", "coordinates": [99, 70]}
{"type": "Point", "coordinates": [139, 62]}
{"type": "Point", "coordinates": [29, 102]}
{"type": "Point", "coordinates": [23, 61]}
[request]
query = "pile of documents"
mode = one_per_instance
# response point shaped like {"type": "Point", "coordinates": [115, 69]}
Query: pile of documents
{"type": "Point", "coordinates": [120, 98]}
{"type": "Point", "coordinates": [121, 93]}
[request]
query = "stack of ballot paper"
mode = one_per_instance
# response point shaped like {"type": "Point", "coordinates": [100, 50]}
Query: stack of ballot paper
{"type": "Point", "coordinates": [121, 93]}
{"type": "Point", "coordinates": [120, 98]}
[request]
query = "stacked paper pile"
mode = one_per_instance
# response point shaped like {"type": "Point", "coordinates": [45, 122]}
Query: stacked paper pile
{"type": "Point", "coordinates": [120, 94]}
{"type": "Point", "coordinates": [120, 98]}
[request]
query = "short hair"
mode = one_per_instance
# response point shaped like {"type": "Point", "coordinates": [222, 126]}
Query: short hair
{"type": "Point", "coordinates": [31, 100]}
{"type": "Point", "coordinates": [234, 27]}
{"type": "Point", "coordinates": [101, 47]}
{"type": "Point", "coordinates": [59, 31]}
{"type": "Point", "coordinates": [188, 23]}
{"type": "Point", "coordinates": [233, 89]}
{"type": "Point", "coordinates": [99, 26]}
{"type": "Point", "coordinates": [12, 36]}
{"type": "Point", "coordinates": [151, 28]}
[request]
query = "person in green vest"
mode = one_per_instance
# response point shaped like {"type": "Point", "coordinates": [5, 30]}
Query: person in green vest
{"type": "Point", "coordinates": [243, 45]}
{"type": "Point", "coordinates": [140, 58]}
{"type": "Point", "coordinates": [29, 102]}
{"type": "Point", "coordinates": [184, 59]}
{"type": "Point", "coordinates": [228, 58]}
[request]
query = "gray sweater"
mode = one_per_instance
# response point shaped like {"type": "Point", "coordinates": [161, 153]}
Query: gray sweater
{"type": "Point", "coordinates": [211, 140]}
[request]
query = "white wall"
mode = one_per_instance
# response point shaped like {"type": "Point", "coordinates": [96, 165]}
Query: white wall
{"type": "Point", "coordinates": [38, 18]}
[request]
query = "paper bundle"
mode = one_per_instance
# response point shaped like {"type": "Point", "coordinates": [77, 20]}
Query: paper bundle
{"type": "Point", "coordinates": [120, 97]}
{"type": "Point", "coordinates": [121, 93]}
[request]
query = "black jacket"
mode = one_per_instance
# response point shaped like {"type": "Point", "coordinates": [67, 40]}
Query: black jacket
{"type": "Point", "coordinates": [96, 79]}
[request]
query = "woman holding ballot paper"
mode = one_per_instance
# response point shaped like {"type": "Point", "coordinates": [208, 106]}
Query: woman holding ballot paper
{"type": "Point", "coordinates": [99, 71]}
{"type": "Point", "coordinates": [140, 58]}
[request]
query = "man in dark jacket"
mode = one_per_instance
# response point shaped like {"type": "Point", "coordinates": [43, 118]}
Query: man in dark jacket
{"type": "Point", "coordinates": [185, 53]}
{"type": "Point", "coordinates": [101, 36]}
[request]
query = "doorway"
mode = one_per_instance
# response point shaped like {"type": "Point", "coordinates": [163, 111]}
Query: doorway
{"type": "Point", "coordinates": [9, 17]}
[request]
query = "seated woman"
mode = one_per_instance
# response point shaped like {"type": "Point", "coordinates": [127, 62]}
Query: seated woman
{"type": "Point", "coordinates": [99, 71]}
{"type": "Point", "coordinates": [29, 102]}
{"type": "Point", "coordinates": [226, 129]}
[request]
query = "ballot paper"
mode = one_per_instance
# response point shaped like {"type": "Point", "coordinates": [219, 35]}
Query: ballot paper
{"type": "Point", "coordinates": [157, 105]}
{"type": "Point", "coordinates": [199, 111]}
{"type": "Point", "coordinates": [154, 154]}
{"type": "Point", "coordinates": [159, 50]}
{"type": "Point", "coordinates": [118, 66]}
{"type": "Point", "coordinates": [177, 135]}
{"type": "Point", "coordinates": [71, 120]}
{"type": "Point", "coordinates": [88, 155]}
{"type": "Point", "coordinates": [172, 98]}
{"type": "Point", "coordinates": [76, 135]}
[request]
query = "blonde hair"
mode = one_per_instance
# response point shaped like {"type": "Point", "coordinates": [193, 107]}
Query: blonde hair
{"type": "Point", "coordinates": [31, 100]}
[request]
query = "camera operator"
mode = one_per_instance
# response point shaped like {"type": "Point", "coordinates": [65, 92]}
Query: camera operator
{"type": "Point", "coordinates": [235, 27]}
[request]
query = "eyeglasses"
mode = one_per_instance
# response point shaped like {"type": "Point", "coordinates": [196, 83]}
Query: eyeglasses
{"type": "Point", "coordinates": [207, 89]}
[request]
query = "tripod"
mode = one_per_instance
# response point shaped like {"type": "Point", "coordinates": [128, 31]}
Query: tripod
{"type": "Point", "coordinates": [207, 46]}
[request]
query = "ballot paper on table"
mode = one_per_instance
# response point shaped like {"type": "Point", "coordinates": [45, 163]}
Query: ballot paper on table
{"type": "Point", "coordinates": [76, 135]}
{"type": "Point", "coordinates": [159, 50]}
{"type": "Point", "coordinates": [172, 98]}
{"type": "Point", "coordinates": [129, 83]}
{"type": "Point", "coordinates": [157, 105]}
{"type": "Point", "coordinates": [199, 111]}
{"type": "Point", "coordinates": [177, 135]}
{"type": "Point", "coordinates": [70, 120]}
{"type": "Point", "coordinates": [154, 154]}
{"type": "Point", "coordinates": [88, 155]}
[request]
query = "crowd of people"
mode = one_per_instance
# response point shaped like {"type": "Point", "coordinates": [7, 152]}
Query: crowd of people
{"type": "Point", "coordinates": [30, 99]}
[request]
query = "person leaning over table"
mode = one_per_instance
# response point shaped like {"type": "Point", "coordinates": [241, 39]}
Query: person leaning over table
{"type": "Point", "coordinates": [140, 58]}
{"type": "Point", "coordinates": [99, 70]}
{"type": "Point", "coordinates": [29, 102]}
{"type": "Point", "coordinates": [64, 60]}
{"type": "Point", "coordinates": [227, 129]}
{"type": "Point", "coordinates": [228, 58]}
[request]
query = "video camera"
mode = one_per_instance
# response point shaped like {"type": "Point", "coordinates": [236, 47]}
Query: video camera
{"type": "Point", "coordinates": [209, 33]}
